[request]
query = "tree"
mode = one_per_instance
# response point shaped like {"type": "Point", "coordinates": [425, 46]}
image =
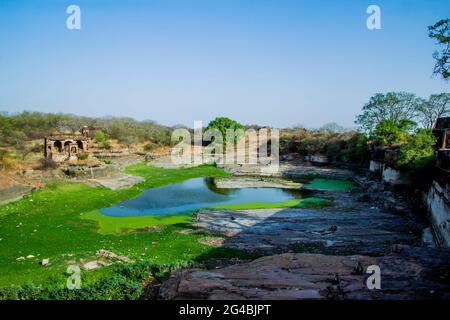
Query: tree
{"type": "Point", "coordinates": [25, 149]}
{"type": "Point", "coordinates": [71, 125]}
{"type": "Point", "coordinates": [418, 153]}
{"type": "Point", "coordinates": [392, 133]}
{"type": "Point", "coordinates": [6, 159]}
{"type": "Point", "coordinates": [332, 127]}
{"type": "Point", "coordinates": [222, 124]}
{"type": "Point", "coordinates": [128, 141]}
{"type": "Point", "coordinates": [441, 32]}
{"type": "Point", "coordinates": [438, 105]}
{"type": "Point", "coordinates": [99, 137]}
{"type": "Point", "coordinates": [392, 106]}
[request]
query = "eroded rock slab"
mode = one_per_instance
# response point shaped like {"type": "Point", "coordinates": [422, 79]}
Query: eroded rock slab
{"type": "Point", "coordinates": [11, 190]}
{"type": "Point", "coordinates": [407, 273]}
{"type": "Point", "coordinates": [288, 171]}
{"type": "Point", "coordinates": [255, 182]}
{"type": "Point", "coordinates": [309, 230]}
{"type": "Point", "coordinates": [119, 181]}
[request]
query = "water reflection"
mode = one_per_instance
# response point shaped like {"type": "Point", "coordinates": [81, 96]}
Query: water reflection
{"type": "Point", "coordinates": [194, 194]}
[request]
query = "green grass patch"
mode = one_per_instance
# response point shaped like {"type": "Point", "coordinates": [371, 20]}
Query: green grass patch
{"type": "Point", "coordinates": [295, 203]}
{"type": "Point", "coordinates": [116, 225]}
{"type": "Point", "coordinates": [157, 177]}
{"type": "Point", "coordinates": [329, 185]}
{"type": "Point", "coordinates": [61, 222]}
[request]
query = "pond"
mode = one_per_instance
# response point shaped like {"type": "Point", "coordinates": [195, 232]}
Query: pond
{"type": "Point", "coordinates": [194, 194]}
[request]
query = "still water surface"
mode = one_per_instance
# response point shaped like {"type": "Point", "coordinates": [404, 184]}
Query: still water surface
{"type": "Point", "coordinates": [191, 195]}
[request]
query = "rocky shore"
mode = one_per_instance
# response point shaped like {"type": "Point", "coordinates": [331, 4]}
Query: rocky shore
{"type": "Point", "coordinates": [321, 253]}
{"type": "Point", "coordinates": [406, 273]}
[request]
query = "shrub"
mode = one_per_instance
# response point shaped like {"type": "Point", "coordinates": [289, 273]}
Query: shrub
{"type": "Point", "coordinates": [6, 159]}
{"type": "Point", "coordinates": [82, 156]}
{"type": "Point", "coordinates": [222, 124]}
{"type": "Point", "coordinates": [418, 152]}
{"type": "Point", "coordinates": [150, 146]}
{"type": "Point", "coordinates": [393, 133]}
{"type": "Point", "coordinates": [46, 163]}
{"type": "Point", "coordinates": [99, 137]}
{"type": "Point", "coordinates": [105, 145]}
{"type": "Point", "coordinates": [125, 283]}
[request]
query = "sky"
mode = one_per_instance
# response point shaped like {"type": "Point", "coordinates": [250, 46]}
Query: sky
{"type": "Point", "coordinates": [267, 62]}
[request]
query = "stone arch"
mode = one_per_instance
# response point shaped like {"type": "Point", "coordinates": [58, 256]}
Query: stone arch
{"type": "Point", "coordinates": [80, 145]}
{"type": "Point", "coordinates": [67, 146]}
{"type": "Point", "coordinates": [58, 145]}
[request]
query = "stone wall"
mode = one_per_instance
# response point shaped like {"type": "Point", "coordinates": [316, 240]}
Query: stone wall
{"type": "Point", "coordinates": [80, 171]}
{"type": "Point", "coordinates": [393, 177]}
{"type": "Point", "coordinates": [317, 158]}
{"type": "Point", "coordinates": [438, 204]}
{"type": "Point", "coordinates": [436, 198]}
{"type": "Point", "coordinates": [13, 191]}
{"type": "Point", "coordinates": [388, 174]}
{"type": "Point", "coordinates": [375, 166]}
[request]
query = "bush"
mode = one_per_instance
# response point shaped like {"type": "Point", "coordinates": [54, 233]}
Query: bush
{"type": "Point", "coordinates": [222, 124]}
{"type": "Point", "coordinates": [313, 145]}
{"type": "Point", "coordinates": [99, 137]}
{"type": "Point", "coordinates": [418, 153]}
{"type": "Point", "coordinates": [348, 147]}
{"type": "Point", "coordinates": [393, 133]}
{"type": "Point", "coordinates": [105, 145]}
{"type": "Point", "coordinates": [82, 156]}
{"type": "Point", "coordinates": [47, 164]}
{"type": "Point", "coordinates": [150, 146]}
{"type": "Point", "coordinates": [6, 159]}
{"type": "Point", "coordinates": [125, 283]}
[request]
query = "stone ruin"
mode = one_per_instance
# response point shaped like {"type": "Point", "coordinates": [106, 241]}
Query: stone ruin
{"type": "Point", "coordinates": [438, 196]}
{"type": "Point", "coordinates": [442, 134]}
{"type": "Point", "coordinates": [66, 146]}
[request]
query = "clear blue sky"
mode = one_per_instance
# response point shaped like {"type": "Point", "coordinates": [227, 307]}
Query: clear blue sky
{"type": "Point", "coordinates": [271, 62]}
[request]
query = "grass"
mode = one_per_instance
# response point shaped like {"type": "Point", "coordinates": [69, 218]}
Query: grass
{"type": "Point", "coordinates": [117, 225]}
{"type": "Point", "coordinates": [62, 222]}
{"type": "Point", "coordinates": [329, 185]}
{"type": "Point", "coordinates": [157, 177]}
{"type": "Point", "coordinates": [51, 223]}
{"type": "Point", "coordinates": [295, 203]}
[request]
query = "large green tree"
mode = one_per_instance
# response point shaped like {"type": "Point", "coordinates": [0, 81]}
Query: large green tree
{"type": "Point", "coordinates": [438, 105]}
{"type": "Point", "coordinates": [418, 152]}
{"type": "Point", "coordinates": [393, 133]}
{"type": "Point", "coordinates": [223, 124]}
{"type": "Point", "coordinates": [440, 31]}
{"type": "Point", "coordinates": [392, 106]}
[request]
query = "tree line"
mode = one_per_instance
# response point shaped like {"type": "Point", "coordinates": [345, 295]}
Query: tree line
{"type": "Point", "coordinates": [27, 126]}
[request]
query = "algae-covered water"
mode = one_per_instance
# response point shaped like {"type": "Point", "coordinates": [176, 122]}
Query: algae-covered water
{"type": "Point", "coordinates": [199, 193]}
{"type": "Point", "coordinates": [328, 185]}
{"type": "Point", "coordinates": [194, 194]}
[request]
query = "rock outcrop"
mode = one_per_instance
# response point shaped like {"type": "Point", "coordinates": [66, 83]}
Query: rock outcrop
{"type": "Point", "coordinates": [255, 182]}
{"type": "Point", "coordinates": [406, 273]}
{"type": "Point", "coordinates": [288, 171]}
{"type": "Point", "coordinates": [118, 181]}
{"type": "Point", "coordinates": [11, 190]}
{"type": "Point", "coordinates": [327, 230]}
